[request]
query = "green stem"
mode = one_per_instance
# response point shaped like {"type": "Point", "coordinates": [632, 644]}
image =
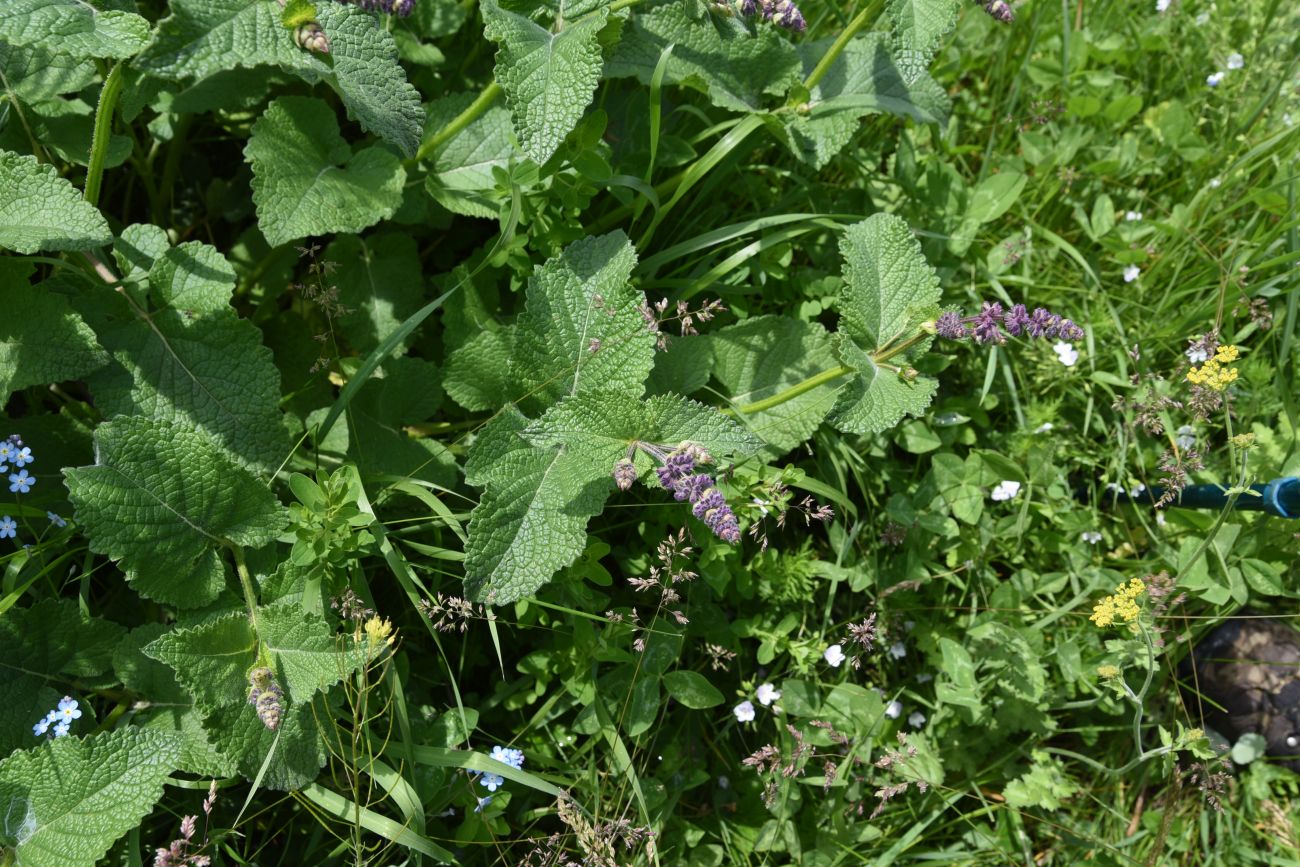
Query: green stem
{"type": "Point", "coordinates": [103, 133]}
{"type": "Point", "coordinates": [888, 352]}
{"type": "Point", "coordinates": [792, 392]}
{"type": "Point", "coordinates": [246, 584]}
{"type": "Point", "coordinates": [868, 14]}
{"type": "Point", "coordinates": [453, 128]}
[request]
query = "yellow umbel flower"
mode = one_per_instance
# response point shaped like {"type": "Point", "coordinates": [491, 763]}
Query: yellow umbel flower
{"type": "Point", "coordinates": [1108, 671]}
{"type": "Point", "coordinates": [379, 631]}
{"type": "Point", "coordinates": [1213, 374]}
{"type": "Point", "coordinates": [1122, 606]}
{"type": "Point", "coordinates": [1226, 353]}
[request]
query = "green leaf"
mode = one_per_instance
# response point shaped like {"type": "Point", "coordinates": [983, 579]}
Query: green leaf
{"type": "Point", "coordinates": [478, 373]}
{"type": "Point", "coordinates": [548, 77]}
{"type": "Point", "coordinates": [237, 733]}
{"type": "Point", "coordinates": [54, 637]}
{"type": "Point", "coordinates": [203, 37]}
{"type": "Point", "coordinates": [73, 27]}
{"type": "Point", "coordinates": [496, 439]}
{"type": "Point", "coordinates": [35, 73]}
{"type": "Point", "coordinates": [211, 661]}
{"type": "Point", "coordinates": [463, 178]}
{"type": "Point", "coordinates": [957, 684]}
{"type": "Point", "coordinates": [193, 277]}
{"type": "Point", "coordinates": [307, 181]}
{"type": "Point", "coordinates": [380, 282]}
{"type": "Point", "coordinates": [889, 289]}
{"type": "Point", "coordinates": [715, 55]}
{"type": "Point", "coordinates": [71, 798]}
{"type": "Point", "coordinates": [692, 689]}
{"type": "Point", "coordinates": [1044, 785]}
{"type": "Point", "coordinates": [763, 356]}
{"type": "Point", "coordinates": [864, 80]}
{"type": "Point", "coordinates": [175, 481]}
{"type": "Point", "coordinates": [208, 370]}
{"type": "Point", "coordinates": [43, 341]}
{"type": "Point", "coordinates": [43, 211]}
{"type": "Point", "coordinates": [581, 329]}
{"type": "Point", "coordinates": [920, 25]}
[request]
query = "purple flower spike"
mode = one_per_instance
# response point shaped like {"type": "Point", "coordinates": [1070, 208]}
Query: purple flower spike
{"type": "Point", "coordinates": [748, 8]}
{"type": "Point", "coordinates": [1016, 319]}
{"type": "Point", "coordinates": [1000, 10]}
{"type": "Point", "coordinates": [624, 474]}
{"type": "Point", "coordinates": [789, 16]}
{"type": "Point", "coordinates": [677, 466]}
{"type": "Point", "coordinates": [950, 327]}
{"type": "Point", "coordinates": [1041, 323]}
{"type": "Point", "coordinates": [986, 324]}
{"type": "Point", "coordinates": [1067, 330]}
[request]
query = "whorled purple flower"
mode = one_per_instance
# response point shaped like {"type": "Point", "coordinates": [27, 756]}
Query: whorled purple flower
{"type": "Point", "coordinates": [987, 325]}
{"type": "Point", "coordinates": [782, 13]}
{"type": "Point", "coordinates": [624, 474]}
{"type": "Point", "coordinates": [950, 326]}
{"type": "Point", "coordinates": [677, 474]}
{"type": "Point", "coordinates": [266, 696]}
{"type": "Point", "coordinates": [748, 7]}
{"type": "Point", "coordinates": [1016, 319]}
{"type": "Point", "coordinates": [677, 466]}
{"type": "Point", "coordinates": [401, 8]}
{"type": "Point", "coordinates": [1000, 10]}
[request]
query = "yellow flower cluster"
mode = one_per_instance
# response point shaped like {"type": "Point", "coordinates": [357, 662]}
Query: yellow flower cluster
{"type": "Point", "coordinates": [379, 631]}
{"type": "Point", "coordinates": [1108, 671]}
{"type": "Point", "coordinates": [1121, 606]}
{"type": "Point", "coordinates": [1213, 374]}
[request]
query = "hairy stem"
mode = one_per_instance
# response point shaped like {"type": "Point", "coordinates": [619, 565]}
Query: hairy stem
{"type": "Point", "coordinates": [246, 584]}
{"type": "Point", "coordinates": [458, 123]}
{"type": "Point", "coordinates": [792, 392]}
{"type": "Point", "coordinates": [103, 133]}
{"type": "Point", "coordinates": [862, 19]}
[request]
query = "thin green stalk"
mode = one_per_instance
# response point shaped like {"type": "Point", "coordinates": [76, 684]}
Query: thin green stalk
{"type": "Point", "coordinates": [246, 584]}
{"type": "Point", "coordinates": [862, 19]}
{"type": "Point", "coordinates": [458, 123]}
{"type": "Point", "coordinates": [792, 392]}
{"type": "Point", "coordinates": [103, 133]}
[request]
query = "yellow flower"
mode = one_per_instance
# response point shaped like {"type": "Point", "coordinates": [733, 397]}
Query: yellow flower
{"type": "Point", "coordinates": [1121, 606]}
{"type": "Point", "coordinates": [379, 630]}
{"type": "Point", "coordinates": [1108, 671]}
{"type": "Point", "coordinates": [1226, 353]}
{"type": "Point", "coordinates": [1243, 441]}
{"type": "Point", "coordinates": [1213, 374]}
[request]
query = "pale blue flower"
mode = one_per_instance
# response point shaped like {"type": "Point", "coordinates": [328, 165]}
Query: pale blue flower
{"type": "Point", "coordinates": [507, 756]}
{"type": "Point", "coordinates": [41, 727]}
{"type": "Point", "coordinates": [916, 720]}
{"type": "Point", "coordinates": [8, 528]}
{"type": "Point", "coordinates": [56, 520]}
{"type": "Point", "coordinates": [897, 650]}
{"type": "Point", "coordinates": [23, 457]}
{"type": "Point", "coordinates": [1005, 490]}
{"type": "Point", "coordinates": [7, 450]}
{"type": "Point", "coordinates": [894, 710]}
{"type": "Point", "coordinates": [1131, 273]}
{"type": "Point", "coordinates": [61, 729]}
{"type": "Point", "coordinates": [68, 710]}
{"type": "Point", "coordinates": [492, 782]}
{"type": "Point", "coordinates": [834, 655]}
{"type": "Point", "coordinates": [20, 482]}
{"type": "Point", "coordinates": [1214, 79]}
{"type": "Point", "coordinates": [766, 694]}
{"type": "Point", "coordinates": [1236, 61]}
{"type": "Point", "coordinates": [1092, 537]}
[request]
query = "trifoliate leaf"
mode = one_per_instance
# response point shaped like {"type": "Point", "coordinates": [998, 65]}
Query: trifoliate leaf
{"type": "Point", "coordinates": [73, 27]}
{"type": "Point", "coordinates": [379, 281]}
{"type": "Point", "coordinates": [531, 521]}
{"type": "Point", "coordinates": [889, 289]}
{"type": "Point", "coordinates": [762, 357]}
{"type": "Point", "coordinates": [864, 80]}
{"type": "Point", "coordinates": [193, 277]}
{"type": "Point", "coordinates": [920, 25]}
{"type": "Point", "coordinates": [548, 77]}
{"type": "Point", "coordinates": [42, 211]}
{"type": "Point", "coordinates": [71, 798]}
{"type": "Point", "coordinates": [478, 374]}
{"type": "Point", "coordinates": [581, 329]}
{"type": "Point", "coordinates": [715, 55]}
{"type": "Point", "coordinates": [307, 181]}
{"type": "Point", "coordinates": [178, 483]}
{"type": "Point", "coordinates": [463, 180]}
{"type": "Point", "coordinates": [35, 74]}
{"type": "Point", "coordinates": [237, 733]}
{"type": "Point", "coordinates": [43, 341]}
{"type": "Point", "coordinates": [208, 370]}
{"type": "Point", "coordinates": [203, 37]}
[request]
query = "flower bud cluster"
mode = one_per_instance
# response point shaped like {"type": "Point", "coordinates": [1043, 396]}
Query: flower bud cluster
{"type": "Point", "coordinates": [987, 326]}
{"type": "Point", "coordinates": [1000, 10]}
{"type": "Point", "coordinates": [678, 475]}
{"type": "Point", "coordinates": [400, 8]}
{"type": "Point", "coordinates": [783, 13]}
{"type": "Point", "coordinates": [266, 696]}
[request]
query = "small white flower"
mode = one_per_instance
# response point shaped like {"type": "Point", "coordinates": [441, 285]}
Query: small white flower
{"type": "Point", "coordinates": [894, 710]}
{"type": "Point", "coordinates": [1133, 216]}
{"type": "Point", "coordinates": [1236, 61]}
{"type": "Point", "coordinates": [924, 677]}
{"type": "Point", "coordinates": [1160, 519]}
{"type": "Point", "coordinates": [724, 783]}
{"type": "Point", "coordinates": [897, 650]}
{"type": "Point", "coordinates": [1092, 537]}
{"type": "Point", "coordinates": [483, 802]}
{"type": "Point", "coordinates": [1162, 6]}
{"type": "Point", "coordinates": [1131, 273]}
{"type": "Point", "coordinates": [766, 694]}
{"type": "Point", "coordinates": [1214, 183]}
{"type": "Point", "coordinates": [1005, 491]}
{"type": "Point", "coordinates": [761, 504]}
{"type": "Point", "coordinates": [834, 655]}
{"type": "Point", "coordinates": [1137, 489]}
{"type": "Point", "coordinates": [1196, 355]}
{"type": "Point", "coordinates": [1286, 119]}
{"type": "Point", "coordinates": [1114, 488]}
{"type": "Point", "coordinates": [744, 711]}
{"type": "Point", "coordinates": [1045, 427]}
{"type": "Point", "coordinates": [1214, 79]}
{"type": "Point", "coordinates": [1202, 19]}
{"type": "Point", "coordinates": [916, 720]}
{"type": "Point", "coordinates": [1066, 353]}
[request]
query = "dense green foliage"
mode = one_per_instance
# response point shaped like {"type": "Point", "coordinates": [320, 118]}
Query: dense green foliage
{"type": "Point", "coordinates": [640, 431]}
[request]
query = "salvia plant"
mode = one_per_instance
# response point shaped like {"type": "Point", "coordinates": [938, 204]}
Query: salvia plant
{"type": "Point", "coordinates": [630, 431]}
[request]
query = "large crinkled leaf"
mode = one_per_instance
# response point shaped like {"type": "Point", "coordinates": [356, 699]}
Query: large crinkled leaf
{"type": "Point", "coordinates": [42, 211]}
{"type": "Point", "coordinates": [865, 79]}
{"type": "Point", "coordinates": [581, 329]}
{"type": "Point", "coordinates": [54, 637]}
{"type": "Point", "coordinates": [34, 73]}
{"type": "Point", "coordinates": [713, 54]}
{"type": "Point", "coordinates": [307, 181]}
{"type": "Point", "coordinates": [299, 754]}
{"type": "Point", "coordinates": [889, 290]}
{"type": "Point", "coordinates": [208, 370]}
{"type": "Point", "coordinates": [203, 37]}
{"type": "Point", "coordinates": [877, 398]}
{"type": "Point", "coordinates": [463, 179]}
{"type": "Point", "coordinates": [193, 277]}
{"type": "Point", "coordinates": [548, 76]}
{"type": "Point", "coordinates": [492, 442]}
{"type": "Point", "coordinates": [163, 498]}
{"type": "Point", "coordinates": [477, 375]}
{"type": "Point", "coordinates": [210, 661]}
{"type": "Point", "coordinates": [381, 284]}
{"type": "Point", "coordinates": [70, 799]}
{"type": "Point", "coordinates": [889, 287]}
{"type": "Point", "coordinates": [74, 27]}
{"type": "Point", "coordinates": [920, 25]}
{"type": "Point", "coordinates": [43, 340]}
{"type": "Point", "coordinates": [762, 357]}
